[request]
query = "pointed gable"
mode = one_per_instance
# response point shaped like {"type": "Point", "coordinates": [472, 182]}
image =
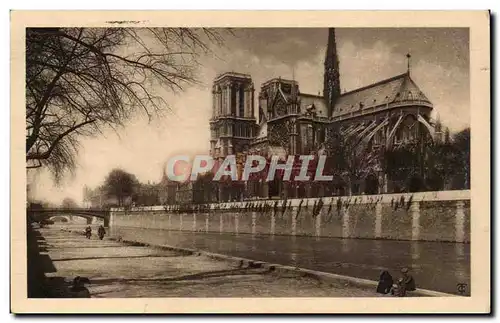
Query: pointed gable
{"type": "Point", "coordinates": [279, 96]}
{"type": "Point", "coordinates": [278, 105]}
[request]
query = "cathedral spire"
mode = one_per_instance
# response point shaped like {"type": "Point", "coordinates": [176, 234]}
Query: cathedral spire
{"type": "Point", "coordinates": [331, 82]}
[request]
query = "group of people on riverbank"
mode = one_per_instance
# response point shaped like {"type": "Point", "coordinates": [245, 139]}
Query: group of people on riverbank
{"type": "Point", "coordinates": [78, 288]}
{"type": "Point", "coordinates": [404, 284]}
{"type": "Point", "coordinates": [100, 232]}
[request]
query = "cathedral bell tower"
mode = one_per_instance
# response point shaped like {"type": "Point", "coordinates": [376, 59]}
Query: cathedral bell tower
{"type": "Point", "coordinates": [331, 82]}
{"type": "Point", "coordinates": [233, 123]}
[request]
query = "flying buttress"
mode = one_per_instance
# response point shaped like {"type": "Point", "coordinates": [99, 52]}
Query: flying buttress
{"type": "Point", "coordinates": [426, 124]}
{"type": "Point", "coordinates": [368, 128]}
{"type": "Point", "coordinates": [355, 129]}
{"type": "Point", "coordinates": [393, 131]}
{"type": "Point", "coordinates": [366, 139]}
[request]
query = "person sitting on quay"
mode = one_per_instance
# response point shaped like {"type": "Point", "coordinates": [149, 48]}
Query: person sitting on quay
{"type": "Point", "coordinates": [78, 289]}
{"type": "Point", "coordinates": [398, 289]}
{"type": "Point", "coordinates": [404, 284]}
{"type": "Point", "coordinates": [385, 283]}
{"type": "Point", "coordinates": [408, 280]}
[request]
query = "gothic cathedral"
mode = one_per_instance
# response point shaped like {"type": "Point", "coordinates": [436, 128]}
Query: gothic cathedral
{"type": "Point", "coordinates": [379, 116]}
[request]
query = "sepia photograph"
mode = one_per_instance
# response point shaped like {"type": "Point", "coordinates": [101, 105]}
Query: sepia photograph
{"type": "Point", "coordinates": [328, 162]}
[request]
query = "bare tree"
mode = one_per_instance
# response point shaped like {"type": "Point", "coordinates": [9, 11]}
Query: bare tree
{"type": "Point", "coordinates": [80, 80]}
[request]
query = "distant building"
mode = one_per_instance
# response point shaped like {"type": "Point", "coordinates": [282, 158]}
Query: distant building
{"type": "Point", "coordinates": [97, 198]}
{"type": "Point", "coordinates": [168, 191]}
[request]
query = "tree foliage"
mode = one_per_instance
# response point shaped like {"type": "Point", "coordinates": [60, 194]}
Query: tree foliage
{"type": "Point", "coordinates": [80, 80]}
{"type": "Point", "coordinates": [414, 166]}
{"type": "Point", "coordinates": [120, 185]}
{"type": "Point", "coordinates": [69, 203]}
{"type": "Point", "coordinates": [448, 163]}
{"type": "Point", "coordinates": [441, 165]}
{"type": "Point", "coordinates": [350, 159]}
{"type": "Point", "coordinates": [205, 188]}
{"type": "Point", "coordinates": [403, 166]}
{"type": "Point", "coordinates": [461, 141]}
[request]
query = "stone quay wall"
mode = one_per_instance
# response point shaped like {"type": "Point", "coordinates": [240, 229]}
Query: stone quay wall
{"type": "Point", "coordinates": [425, 216]}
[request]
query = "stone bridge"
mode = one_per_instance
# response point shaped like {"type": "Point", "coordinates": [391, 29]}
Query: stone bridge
{"type": "Point", "coordinates": [38, 214]}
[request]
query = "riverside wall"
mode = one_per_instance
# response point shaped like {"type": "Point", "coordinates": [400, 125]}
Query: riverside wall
{"type": "Point", "coordinates": [425, 216]}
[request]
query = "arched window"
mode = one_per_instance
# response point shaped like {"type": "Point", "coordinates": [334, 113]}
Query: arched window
{"type": "Point", "coordinates": [219, 100]}
{"type": "Point", "coordinates": [241, 103]}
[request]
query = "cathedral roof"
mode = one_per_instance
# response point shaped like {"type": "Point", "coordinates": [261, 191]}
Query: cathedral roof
{"type": "Point", "coordinates": [399, 88]}
{"type": "Point", "coordinates": [307, 101]}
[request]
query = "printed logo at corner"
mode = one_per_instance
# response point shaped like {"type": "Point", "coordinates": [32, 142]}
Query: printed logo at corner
{"type": "Point", "coordinates": [461, 288]}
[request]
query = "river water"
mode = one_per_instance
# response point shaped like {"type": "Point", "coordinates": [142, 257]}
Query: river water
{"type": "Point", "coordinates": [436, 266]}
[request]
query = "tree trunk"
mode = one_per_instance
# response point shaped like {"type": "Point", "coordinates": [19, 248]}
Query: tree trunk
{"type": "Point", "coordinates": [349, 186]}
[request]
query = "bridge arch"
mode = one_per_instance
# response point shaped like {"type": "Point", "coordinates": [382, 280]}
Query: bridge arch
{"type": "Point", "coordinates": [89, 214]}
{"type": "Point", "coordinates": [60, 218]}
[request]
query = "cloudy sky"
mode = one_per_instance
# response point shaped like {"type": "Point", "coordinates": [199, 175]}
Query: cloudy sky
{"type": "Point", "coordinates": [439, 65]}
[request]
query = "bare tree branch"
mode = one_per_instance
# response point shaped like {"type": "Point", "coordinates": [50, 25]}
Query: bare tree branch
{"type": "Point", "coordinates": [46, 154]}
{"type": "Point", "coordinates": [80, 80]}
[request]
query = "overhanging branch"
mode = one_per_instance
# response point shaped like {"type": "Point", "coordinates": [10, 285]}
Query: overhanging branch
{"type": "Point", "coordinates": [46, 154]}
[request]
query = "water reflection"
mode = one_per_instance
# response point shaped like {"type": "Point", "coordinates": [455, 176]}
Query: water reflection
{"type": "Point", "coordinates": [377, 245]}
{"type": "Point", "coordinates": [462, 271]}
{"type": "Point", "coordinates": [293, 258]}
{"type": "Point", "coordinates": [346, 245]}
{"type": "Point", "coordinates": [415, 252]}
{"type": "Point", "coordinates": [460, 249]}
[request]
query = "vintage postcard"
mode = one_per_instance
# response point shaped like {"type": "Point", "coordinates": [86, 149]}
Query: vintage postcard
{"type": "Point", "coordinates": [250, 162]}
